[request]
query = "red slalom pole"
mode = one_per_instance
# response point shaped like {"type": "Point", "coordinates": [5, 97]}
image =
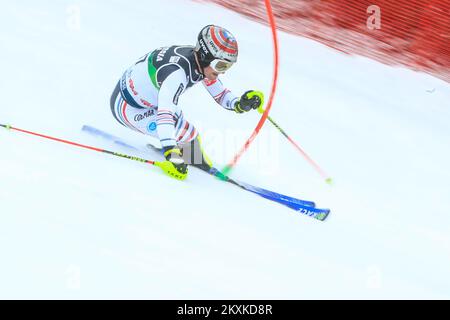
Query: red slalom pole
{"type": "Point", "coordinates": [236, 158]}
{"type": "Point", "coordinates": [52, 138]}
{"type": "Point", "coordinates": [162, 165]}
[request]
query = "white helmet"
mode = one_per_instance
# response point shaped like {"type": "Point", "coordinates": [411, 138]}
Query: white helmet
{"type": "Point", "coordinates": [216, 43]}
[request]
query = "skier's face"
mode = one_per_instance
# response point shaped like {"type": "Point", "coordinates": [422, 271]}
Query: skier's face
{"type": "Point", "coordinates": [210, 73]}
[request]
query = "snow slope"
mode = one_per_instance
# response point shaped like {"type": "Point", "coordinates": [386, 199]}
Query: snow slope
{"type": "Point", "coordinates": [80, 224]}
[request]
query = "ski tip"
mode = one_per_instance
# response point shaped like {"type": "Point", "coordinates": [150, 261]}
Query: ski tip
{"type": "Point", "coordinates": [323, 215]}
{"type": "Point", "coordinates": [126, 145]}
{"type": "Point", "coordinates": [87, 128]}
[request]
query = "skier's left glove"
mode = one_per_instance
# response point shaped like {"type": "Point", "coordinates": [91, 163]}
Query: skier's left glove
{"type": "Point", "coordinates": [250, 100]}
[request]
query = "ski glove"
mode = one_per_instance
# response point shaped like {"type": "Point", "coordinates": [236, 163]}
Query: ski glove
{"type": "Point", "coordinates": [250, 100]}
{"type": "Point", "coordinates": [178, 169]}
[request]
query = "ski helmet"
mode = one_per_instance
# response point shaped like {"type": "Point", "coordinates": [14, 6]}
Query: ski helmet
{"type": "Point", "coordinates": [215, 42]}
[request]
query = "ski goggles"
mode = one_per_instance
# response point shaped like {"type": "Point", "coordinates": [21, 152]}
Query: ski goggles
{"type": "Point", "coordinates": [220, 65]}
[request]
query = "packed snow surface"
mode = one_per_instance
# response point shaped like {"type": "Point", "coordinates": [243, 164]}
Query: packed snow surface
{"type": "Point", "coordinates": [79, 224]}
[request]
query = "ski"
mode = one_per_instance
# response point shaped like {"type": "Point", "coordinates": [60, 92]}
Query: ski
{"type": "Point", "coordinates": [302, 206]}
{"type": "Point", "coordinates": [263, 192]}
{"type": "Point", "coordinates": [298, 205]}
{"type": "Point", "coordinates": [272, 194]}
{"type": "Point", "coordinates": [107, 136]}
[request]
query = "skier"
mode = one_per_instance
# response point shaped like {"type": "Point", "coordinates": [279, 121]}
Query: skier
{"type": "Point", "coordinates": [146, 97]}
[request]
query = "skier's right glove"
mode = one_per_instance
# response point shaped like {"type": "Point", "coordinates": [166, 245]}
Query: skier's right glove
{"type": "Point", "coordinates": [250, 100]}
{"type": "Point", "coordinates": [175, 166]}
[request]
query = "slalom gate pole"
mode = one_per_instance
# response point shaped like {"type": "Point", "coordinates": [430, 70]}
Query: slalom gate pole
{"type": "Point", "coordinates": [151, 162]}
{"type": "Point", "coordinates": [226, 170]}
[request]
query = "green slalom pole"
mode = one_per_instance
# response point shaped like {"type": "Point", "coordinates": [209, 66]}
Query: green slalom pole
{"type": "Point", "coordinates": [305, 155]}
{"type": "Point", "coordinates": [165, 166]}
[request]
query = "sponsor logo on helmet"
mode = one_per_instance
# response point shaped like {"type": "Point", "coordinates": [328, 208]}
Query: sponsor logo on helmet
{"type": "Point", "coordinates": [203, 46]}
{"type": "Point", "coordinates": [213, 46]}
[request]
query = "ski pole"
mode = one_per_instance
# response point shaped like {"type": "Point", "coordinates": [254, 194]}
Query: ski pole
{"type": "Point", "coordinates": [164, 165]}
{"type": "Point", "coordinates": [305, 155]}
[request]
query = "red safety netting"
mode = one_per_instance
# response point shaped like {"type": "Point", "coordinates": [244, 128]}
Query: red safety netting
{"type": "Point", "coordinates": [414, 33]}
